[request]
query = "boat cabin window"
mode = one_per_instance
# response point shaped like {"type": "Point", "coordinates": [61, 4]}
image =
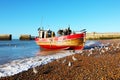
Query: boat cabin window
{"type": "Point", "coordinates": [49, 33]}
{"type": "Point", "coordinates": [46, 33]}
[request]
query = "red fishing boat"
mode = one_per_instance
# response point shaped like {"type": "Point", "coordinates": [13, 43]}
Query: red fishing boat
{"type": "Point", "coordinates": [66, 39]}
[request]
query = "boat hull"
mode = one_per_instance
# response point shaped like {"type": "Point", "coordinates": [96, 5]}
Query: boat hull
{"type": "Point", "coordinates": [73, 41]}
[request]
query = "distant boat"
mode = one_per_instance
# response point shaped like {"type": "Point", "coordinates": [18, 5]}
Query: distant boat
{"type": "Point", "coordinates": [65, 40]}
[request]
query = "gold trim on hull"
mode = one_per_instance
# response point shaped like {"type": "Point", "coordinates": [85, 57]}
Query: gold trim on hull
{"type": "Point", "coordinates": [68, 42]}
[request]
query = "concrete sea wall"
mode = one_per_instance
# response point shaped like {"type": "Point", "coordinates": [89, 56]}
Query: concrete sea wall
{"type": "Point", "coordinates": [95, 35]}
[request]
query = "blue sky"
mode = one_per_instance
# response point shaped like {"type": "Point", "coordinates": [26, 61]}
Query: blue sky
{"type": "Point", "coordinates": [25, 16]}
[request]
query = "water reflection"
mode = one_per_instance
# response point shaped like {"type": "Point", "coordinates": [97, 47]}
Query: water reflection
{"type": "Point", "coordinates": [49, 52]}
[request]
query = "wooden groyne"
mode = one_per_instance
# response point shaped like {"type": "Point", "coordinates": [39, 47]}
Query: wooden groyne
{"type": "Point", "coordinates": [5, 36]}
{"type": "Point", "coordinates": [96, 36]}
{"type": "Point", "coordinates": [26, 37]}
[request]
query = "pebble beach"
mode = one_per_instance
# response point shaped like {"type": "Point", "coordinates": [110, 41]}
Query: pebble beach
{"type": "Point", "coordinates": [98, 63]}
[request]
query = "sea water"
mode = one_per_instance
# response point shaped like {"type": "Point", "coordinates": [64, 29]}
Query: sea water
{"type": "Point", "coordinates": [16, 49]}
{"type": "Point", "coordinates": [17, 56]}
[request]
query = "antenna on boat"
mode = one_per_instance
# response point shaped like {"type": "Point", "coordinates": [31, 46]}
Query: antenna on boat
{"type": "Point", "coordinates": [41, 23]}
{"type": "Point", "coordinates": [41, 27]}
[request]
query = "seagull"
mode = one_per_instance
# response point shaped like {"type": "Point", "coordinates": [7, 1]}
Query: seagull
{"type": "Point", "coordinates": [74, 59]}
{"type": "Point", "coordinates": [102, 51]}
{"type": "Point", "coordinates": [90, 54]}
{"type": "Point", "coordinates": [34, 70]}
{"type": "Point", "coordinates": [69, 64]}
{"type": "Point", "coordinates": [107, 48]}
{"type": "Point", "coordinates": [64, 61]}
{"type": "Point", "coordinates": [91, 51]}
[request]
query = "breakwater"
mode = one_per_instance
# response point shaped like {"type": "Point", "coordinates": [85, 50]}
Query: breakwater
{"type": "Point", "coordinates": [26, 37]}
{"type": "Point", "coordinates": [5, 37]}
{"type": "Point", "coordinates": [89, 36]}
{"type": "Point", "coordinates": [21, 37]}
{"type": "Point", "coordinates": [97, 36]}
